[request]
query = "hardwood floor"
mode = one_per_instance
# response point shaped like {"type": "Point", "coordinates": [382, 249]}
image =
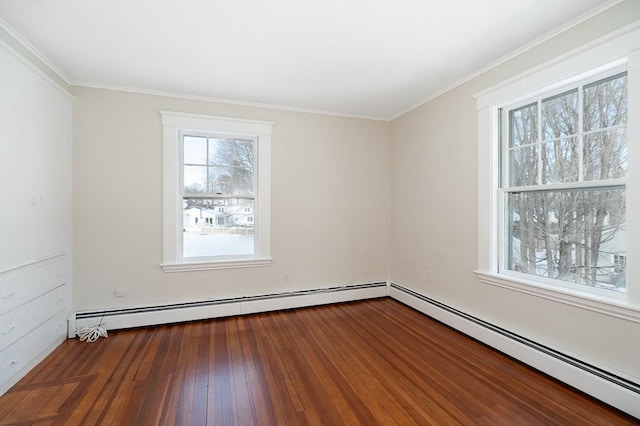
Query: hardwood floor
{"type": "Point", "coordinates": [371, 362]}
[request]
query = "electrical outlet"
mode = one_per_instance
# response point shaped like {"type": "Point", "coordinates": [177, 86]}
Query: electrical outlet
{"type": "Point", "coordinates": [285, 279]}
{"type": "Point", "coordinates": [429, 276]}
{"type": "Point", "coordinates": [120, 292]}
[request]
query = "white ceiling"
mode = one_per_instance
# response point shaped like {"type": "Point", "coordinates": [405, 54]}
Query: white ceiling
{"type": "Point", "coordinates": [372, 58]}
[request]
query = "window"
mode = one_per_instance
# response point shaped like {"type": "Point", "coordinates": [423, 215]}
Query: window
{"type": "Point", "coordinates": [620, 264]}
{"type": "Point", "coordinates": [564, 167]}
{"type": "Point", "coordinates": [216, 169]}
{"type": "Point", "coordinates": [557, 159]}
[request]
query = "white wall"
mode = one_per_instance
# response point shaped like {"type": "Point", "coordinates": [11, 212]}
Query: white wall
{"type": "Point", "coordinates": [434, 216]}
{"type": "Point", "coordinates": [330, 203]}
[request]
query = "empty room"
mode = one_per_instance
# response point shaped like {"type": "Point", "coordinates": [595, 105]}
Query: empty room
{"type": "Point", "coordinates": [336, 212]}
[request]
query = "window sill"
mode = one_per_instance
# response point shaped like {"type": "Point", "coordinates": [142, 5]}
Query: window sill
{"type": "Point", "coordinates": [215, 264]}
{"type": "Point", "coordinates": [615, 307]}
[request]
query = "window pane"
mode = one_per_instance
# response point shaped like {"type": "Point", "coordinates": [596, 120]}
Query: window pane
{"type": "Point", "coordinates": [220, 181]}
{"type": "Point", "coordinates": [605, 154]}
{"type": "Point", "coordinates": [243, 154]}
{"type": "Point", "coordinates": [217, 227]}
{"type": "Point", "coordinates": [231, 152]}
{"type": "Point", "coordinates": [605, 103]}
{"type": "Point", "coordinates": [230, 181]}
{"type": "Point", "coordinates": [523, 166]}
{"type": "Point", "coordinates": [231, 166]}
{"type": "Point", "coordinates": [195, 150]}
{"type": "Point", "coordinates": [560, 116]}
{"type": "Point", "coordinates": [577, 236]}
{"type": "Point", "coordinates": [523, 126]}
{"type": "Point", "coordinates": [560, 161]}
{"type": "Point", "coordinates": [221, 151]}
{"type": "Point", "coordinates": [195, 179]}
{"type": "Point", "coordinates": [242, 181]}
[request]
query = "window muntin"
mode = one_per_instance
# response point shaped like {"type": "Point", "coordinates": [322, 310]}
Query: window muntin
{"type": "Point", "coordinates": [563, 195]}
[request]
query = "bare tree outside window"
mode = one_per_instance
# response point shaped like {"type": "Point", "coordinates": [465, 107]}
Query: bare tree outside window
{"type": "Point", "coordinates": [573, 231]}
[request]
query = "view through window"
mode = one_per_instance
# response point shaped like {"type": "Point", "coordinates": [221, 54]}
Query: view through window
{"type": "Point", "coordinates": [564, 164]}
{"type": "Point", "coordinates": [218, 180]}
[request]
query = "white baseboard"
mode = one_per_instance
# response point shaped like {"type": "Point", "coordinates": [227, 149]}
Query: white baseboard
{"type": "Point", "coordinates": [115, 319]}
{"type": "Point", "coordinates": [618, 392]}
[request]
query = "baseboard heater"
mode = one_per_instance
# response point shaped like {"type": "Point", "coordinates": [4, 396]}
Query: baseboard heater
{"type": "Point", "coordinates": [212, 308]}
{"type": "Point", "coordinates": [617, 391]}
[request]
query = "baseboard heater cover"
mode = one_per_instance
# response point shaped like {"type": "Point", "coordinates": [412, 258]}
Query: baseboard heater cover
{"type": "Point", "coordinates": [140, 316]}
{"type": "Point", "coordinates": [617, 391]}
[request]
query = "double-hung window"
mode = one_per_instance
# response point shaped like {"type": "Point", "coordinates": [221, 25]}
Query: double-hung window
{"type": "Point", "coordinates": [216, 192]}
{"type": "Point", "coordinates": [563, 177]}
{"type": "Point", "coordinates": [558, 166]}
{"type": "Point", "coordinates": [218, 197]}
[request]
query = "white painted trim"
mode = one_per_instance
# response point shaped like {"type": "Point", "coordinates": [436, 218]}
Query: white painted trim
{"type": "Point", "coordinates": [598, 387]}
{"type": "Point", "coordinates": [33, 262]}
{"type": "Point", "coordinates": [566, 185]}
{"type": "Point", "coordinates": [31, 48]}
{"type": "Point", "coordinates": [224, 101]}
{"type": "Point", "coordinates": [37, 55]}
{"type": "Point", "coordinates": [39, 72]}
{"type": "Point", "coordinates": [160, 315]}
{"type": "Point", "coordinates": [488, 178]}
{"type": "Point", "coordinates": [205, 266]}
{"type": "Point", "coordinates": [205, 123]}
{"type": "Point", "coordinates": [633, 176]}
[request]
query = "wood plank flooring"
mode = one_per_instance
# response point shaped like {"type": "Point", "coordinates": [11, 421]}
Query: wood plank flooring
{"type": "Point", "coordinates": [373, 362]}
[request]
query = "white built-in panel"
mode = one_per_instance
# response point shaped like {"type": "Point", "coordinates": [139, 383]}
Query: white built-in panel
{"type": "Point", "coordinates": [21, 285]}
{"type": "Point", "coordinates": [19, 358]}
{"type": "Point", "coordinates": [35, 214]}
{"type": "Point", "coordinates": [23, 320]}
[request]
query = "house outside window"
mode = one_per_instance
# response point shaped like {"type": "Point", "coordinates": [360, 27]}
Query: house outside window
{"type": "Point", "coordinates": [216, 169]}
{"type": "Point", "coordinates": [620, 263]}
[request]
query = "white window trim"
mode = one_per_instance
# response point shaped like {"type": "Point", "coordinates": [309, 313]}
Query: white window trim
{"type": "Point", "coordinates": [174, 123]}
{"type": "Point", "coordinates": [609, 52]}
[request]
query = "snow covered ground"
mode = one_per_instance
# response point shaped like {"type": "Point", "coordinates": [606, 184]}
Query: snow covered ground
{"type": "Point", "coordinates": [196, 245]}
